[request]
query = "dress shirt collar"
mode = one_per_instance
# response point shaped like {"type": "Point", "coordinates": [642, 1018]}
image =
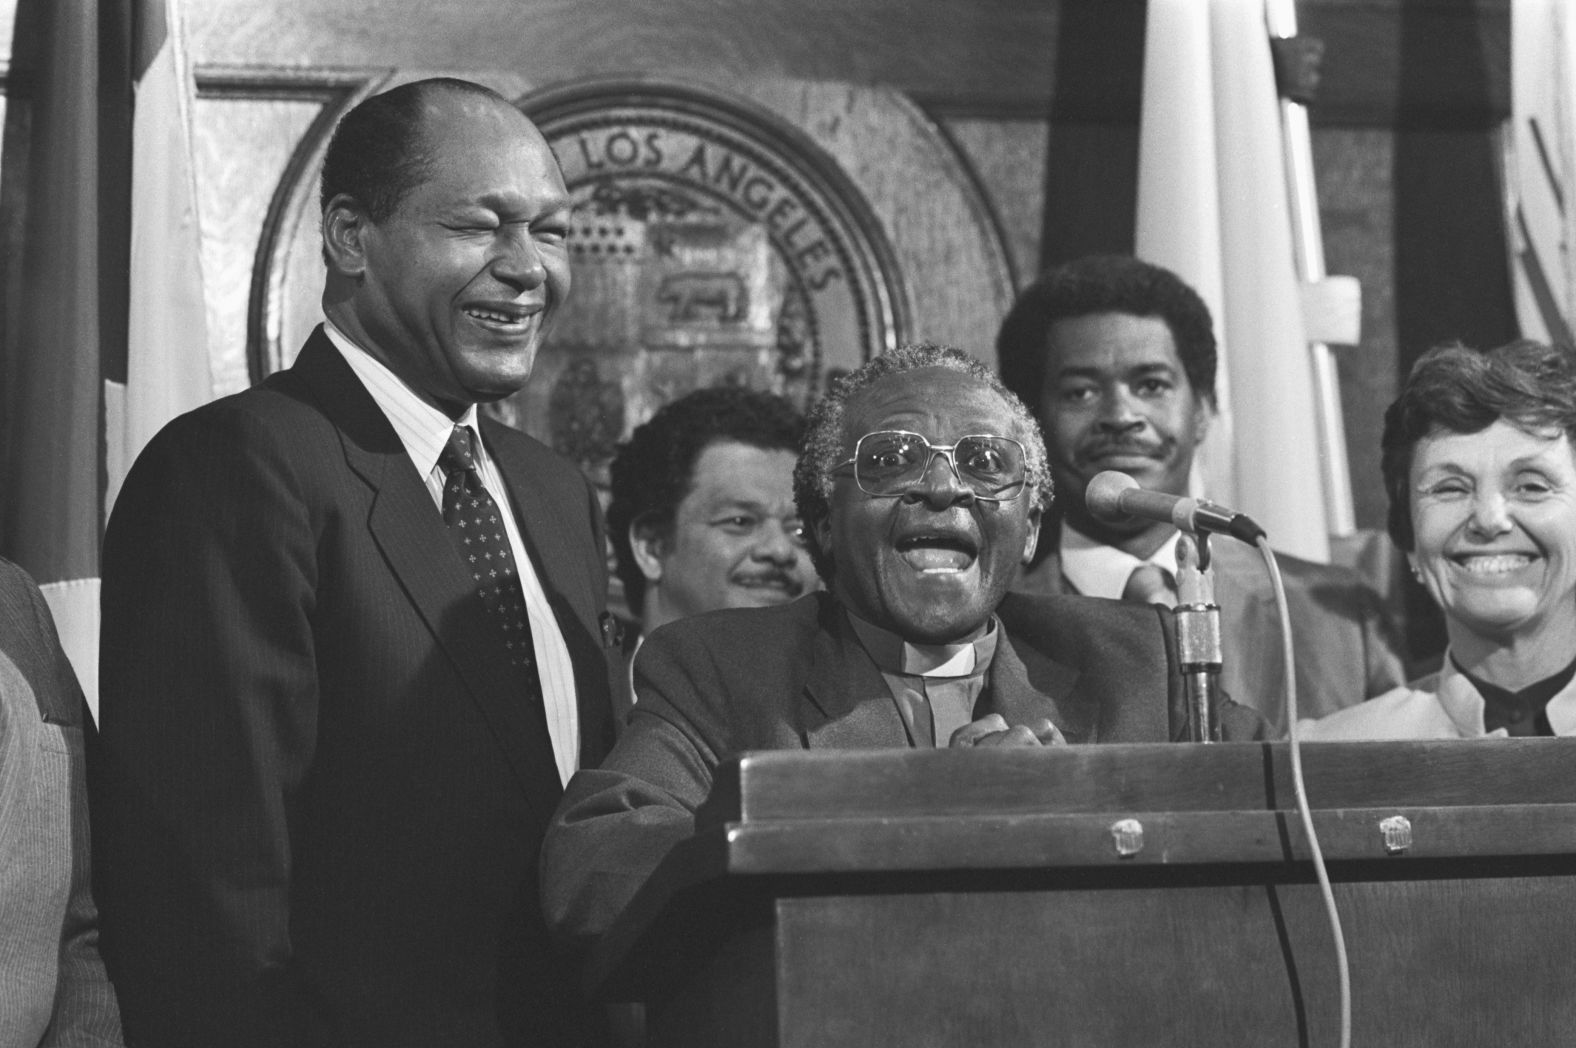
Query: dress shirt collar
{"type": "Point", "coordinates": [1098, 570]}
{"type": "Point", "coordinates": [422, 428]}
{"type": "Point", "coordinates": [893, 654]}
{"type": "Point", "coordinates": [1520, 712]}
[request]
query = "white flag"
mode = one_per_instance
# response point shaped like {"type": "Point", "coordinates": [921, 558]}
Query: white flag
{"type": "Point", "coordinates": [1539, 167]}
{"type": "Point", "coordinates": [167, 369]}
{"type": "Point", "coordinates": [1213, 207]}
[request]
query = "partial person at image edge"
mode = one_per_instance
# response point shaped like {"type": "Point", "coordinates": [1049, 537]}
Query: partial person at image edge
{"type": "Point", "coordinates": [54, 992]}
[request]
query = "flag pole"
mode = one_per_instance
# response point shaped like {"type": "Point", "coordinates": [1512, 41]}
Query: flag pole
{"type": "Point", "coordinates": [50, 492]}
{"type": "Point", "coordinates": [1308, 244]}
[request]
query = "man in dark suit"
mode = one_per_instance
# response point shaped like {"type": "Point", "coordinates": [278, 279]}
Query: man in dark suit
{"type": "Point", "coordinates": [922, 484]}
{"type": "Point", "coordinates": [53, 990]}
{"type": "Point", "coordinates": [354, 633]}
{"type": "Point", "coordinates": [1117, 359]}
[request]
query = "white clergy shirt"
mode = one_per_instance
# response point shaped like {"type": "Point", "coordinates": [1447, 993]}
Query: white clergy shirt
{"type": "Point", "coordinates": [424, 430]}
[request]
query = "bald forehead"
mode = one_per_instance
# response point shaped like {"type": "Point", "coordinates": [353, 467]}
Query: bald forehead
{"type": "Point", "coordinates": [446, 109]}
{"type": "Point", "coordinates": [488, 152]}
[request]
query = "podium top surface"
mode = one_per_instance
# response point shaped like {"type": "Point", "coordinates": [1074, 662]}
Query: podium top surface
{"type": "Point", "coordinates": [1233, 777]}
{"type": "Point", "coordinates": [1233, 803]}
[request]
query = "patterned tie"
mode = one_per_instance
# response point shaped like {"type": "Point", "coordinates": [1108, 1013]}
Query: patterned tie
{"type": "Point", "coordinates": [476, 526]}
{"type": "Point", "coordinates": [1151, 584]}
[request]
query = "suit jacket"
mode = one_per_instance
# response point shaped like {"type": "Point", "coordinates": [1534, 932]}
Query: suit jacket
{"type": "Point", "coordinates": [796, 677]}
{"type": "Point", "coordinates": [53, 990]}
{"type": "Point", "coordinates": [321, 795]}
{"type": "Point", "coordinates": [1342, 641]}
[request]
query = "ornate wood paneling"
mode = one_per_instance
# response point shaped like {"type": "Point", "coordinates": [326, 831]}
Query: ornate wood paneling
{"type": "Point", "coordinates": [1007, 156]}
{"type": "Point", "coordinates": [258, 141]}
{"type": "Point", "coordinates": [992, 49]}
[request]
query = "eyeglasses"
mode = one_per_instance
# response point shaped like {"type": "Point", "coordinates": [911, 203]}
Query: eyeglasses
{"type": "Point", "coordinates": [890, 463]}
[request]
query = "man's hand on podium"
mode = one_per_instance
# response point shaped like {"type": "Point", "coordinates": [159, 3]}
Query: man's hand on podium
{"type": "Point", "coordinates": [993, 730]}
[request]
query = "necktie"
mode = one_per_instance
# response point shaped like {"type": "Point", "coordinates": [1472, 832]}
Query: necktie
{"type": "Point", "coordinates": [476, 526]}
{"type": "Point", "coordinates": [1150, 584]}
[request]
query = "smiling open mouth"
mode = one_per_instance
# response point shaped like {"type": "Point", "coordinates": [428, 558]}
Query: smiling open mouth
{"type": "Point", "coordinates": [783, 584]}
{"type": "Point", "coordinates": [1492, 563]}
{"type": "Point", "coordinates": [938, 553]}
{"type": "Point", "coordinates": [512, 317]}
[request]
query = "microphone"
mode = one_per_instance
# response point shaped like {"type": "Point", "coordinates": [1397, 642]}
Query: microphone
{"type": "Point", "coordinates": [1197, 624]}
{"type": "Point", "coordinates": [1114, 497]}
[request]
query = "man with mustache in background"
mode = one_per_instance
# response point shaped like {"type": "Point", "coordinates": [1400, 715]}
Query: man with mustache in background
{"type": "Point", "coordinates": [1117, 359]}
{"type": "Point", "coordinates": [702, 514]}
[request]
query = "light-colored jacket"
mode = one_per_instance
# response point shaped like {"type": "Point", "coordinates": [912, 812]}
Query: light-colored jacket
{"type": "Point", "coordinates": [1442, 705]}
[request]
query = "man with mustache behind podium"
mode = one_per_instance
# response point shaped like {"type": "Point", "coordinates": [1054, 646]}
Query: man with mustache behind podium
{"type": "Point", "coordinates": [702, 513]}
{"type": "Point", "coordinates": [1117, 359]}
{"type": "Point", "coordinates": [355, 634]}
{"type": "Point", "coordinates": [921, 485]}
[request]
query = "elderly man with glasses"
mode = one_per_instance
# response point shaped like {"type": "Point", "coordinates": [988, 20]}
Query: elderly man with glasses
{"type": "Point", "coordinates": [922, 483]}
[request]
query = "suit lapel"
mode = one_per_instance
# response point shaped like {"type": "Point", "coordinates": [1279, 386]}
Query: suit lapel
{"type": "Point", "coordinates": [1252, 669]}
{"type": "Point", "coordinates": [408, 529]}
{"type": "Point", "coordinates": [847, 703]}
{"type": "Point", "coordinates": [1024, 692]}
{"type": "Point", "coordinates": [545, 534]}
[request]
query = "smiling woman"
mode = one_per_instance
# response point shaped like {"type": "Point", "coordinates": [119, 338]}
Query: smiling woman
{"type": "Point", "coordinates": [1481, 471]}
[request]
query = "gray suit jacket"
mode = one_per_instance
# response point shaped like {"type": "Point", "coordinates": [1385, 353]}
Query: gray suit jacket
{"type": "Point", "coordinates": [796, 677]}
{"type": "Point", "coordinates": [1342, 642]}
{"type": "Point", "coordinates": [53, 990]}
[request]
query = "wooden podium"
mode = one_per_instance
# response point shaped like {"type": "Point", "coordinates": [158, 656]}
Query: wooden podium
{"type": "Point", "coordinates": [1114, 896]}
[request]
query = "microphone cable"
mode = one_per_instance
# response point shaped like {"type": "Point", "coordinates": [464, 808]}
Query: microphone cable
{"type": "Point", "coordinates": [1300, 791]}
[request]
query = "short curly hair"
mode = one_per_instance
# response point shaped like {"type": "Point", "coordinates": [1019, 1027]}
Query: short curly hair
{"type": "Point", "coordinates": [824, 446]}
{"type": "Point", "coordinates": [1455, 389]}
{"type": "Point", "coordinates": [1104, 284]}
{"type": "Point", "coordinates": [654, 469]}
{"type": "Point", "coordinates": [379, 151]}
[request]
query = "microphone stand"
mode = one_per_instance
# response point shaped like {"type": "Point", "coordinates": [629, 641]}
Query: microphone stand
{"type": "Point", "coordinates": [1198, 636]}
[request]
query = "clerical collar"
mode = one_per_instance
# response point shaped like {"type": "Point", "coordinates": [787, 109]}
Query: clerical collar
{"type": "Point", "coordinates": [893, 654]}
{"type": "Point", "coordinates": [1522, 712]}
{"type": "Point", "coordinates": [1098, 570]}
